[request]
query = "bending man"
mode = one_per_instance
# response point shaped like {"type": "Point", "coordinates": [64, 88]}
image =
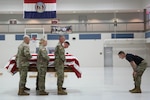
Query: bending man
{"type": "Point", "coordinates": [139, 65]}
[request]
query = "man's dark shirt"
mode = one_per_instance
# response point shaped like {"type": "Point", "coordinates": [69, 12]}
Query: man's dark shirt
{"type": "Point", "coordinates": [135, 58]}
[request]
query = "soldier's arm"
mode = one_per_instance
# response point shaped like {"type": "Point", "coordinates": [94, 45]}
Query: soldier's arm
{"type": "Point", "coordinates": [134, 66]}
{"type": "Point", "coordinates": [27, 52]}
{"type": "Point", "coordinates": [44, 54]}
{"type": "Point", "coordinates": [16, 56]}
{"type": "Point", "coordinates": [62, 56]}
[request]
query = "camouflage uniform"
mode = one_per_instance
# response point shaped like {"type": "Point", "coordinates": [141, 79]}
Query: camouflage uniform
{"type": "Point", "coordinates": [42, 64]}
{"type": "Point", "coordinates": [140, 70]}
{"type": "Point", "coordinates": [22, 58]}
{"type": "Point", "coordinates": [59, 66]}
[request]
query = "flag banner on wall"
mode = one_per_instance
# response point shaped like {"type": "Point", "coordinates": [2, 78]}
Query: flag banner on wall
{"type": "Point", "coordinates": [39, 9]}
{"type": "Point", "coordinates": [61, 29]}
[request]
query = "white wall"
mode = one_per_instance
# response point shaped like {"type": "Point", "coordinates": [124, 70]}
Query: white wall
{"type": "Point", "coordinates": [146, 3]}
{"type": "Point", "coordinates": [8, 5]}
{"type": "Point", "coordinates": [8, 49]}
{"type": "Point", "coordinates": [84, 50]}
{"type": "Point", "coordinates": [98, 4]}
{"type": "Point", "coordinates": [87, 51]}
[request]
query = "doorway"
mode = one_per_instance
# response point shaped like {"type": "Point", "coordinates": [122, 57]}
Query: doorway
{"type": "Point", "coordinates": [108, 57]}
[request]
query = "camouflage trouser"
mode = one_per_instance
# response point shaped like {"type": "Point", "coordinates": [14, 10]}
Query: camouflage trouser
{"type": "Point", "coordinates": [23, 70]}
{"type": "Point", "coordinates": [60, 75]}
{"type": "Point", "coordinates": [40, 82]}
{"type": "Point", "coordinates": [140, 70]}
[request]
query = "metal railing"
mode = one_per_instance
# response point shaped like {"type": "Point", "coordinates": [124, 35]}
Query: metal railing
{"type": "Point", "coordinates": [78, 27]}
{"type": "Point", "coordinates": [148, 25]}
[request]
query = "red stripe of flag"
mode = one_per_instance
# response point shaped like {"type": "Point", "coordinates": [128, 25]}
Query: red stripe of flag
{"type": "Point", "coordinates": [35, 1]}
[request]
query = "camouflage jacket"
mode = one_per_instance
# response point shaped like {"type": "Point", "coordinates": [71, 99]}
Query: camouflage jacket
{"type": "Point", "coordinates": [23, 55]}
{"type": "Point", "coordinates": [60, 53]}
{"type": "Point", "coordinates": [42, 58]}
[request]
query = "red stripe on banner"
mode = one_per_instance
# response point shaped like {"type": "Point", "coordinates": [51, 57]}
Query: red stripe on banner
{"type": "Point", "coordinates": [35, 1]}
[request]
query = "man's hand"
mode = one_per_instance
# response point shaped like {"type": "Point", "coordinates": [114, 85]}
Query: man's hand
{"type": "Point", "coordinates": [135, 74]}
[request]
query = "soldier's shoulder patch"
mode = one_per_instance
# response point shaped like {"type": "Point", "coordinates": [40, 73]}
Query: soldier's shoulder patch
{"type": "Point", "coordinates": [43, 49]}
{"type": "Point", "coordinates": [60, 47]}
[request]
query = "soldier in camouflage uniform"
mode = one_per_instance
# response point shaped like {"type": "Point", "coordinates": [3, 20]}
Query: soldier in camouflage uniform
{"type": "Point", "coordinates": [59, 64]}
{"type": "Point", "coordinates": [139, 65]}
{"type": "Point", "coordinates": [42, 64]}
{"type": "Point", "coordinates": [22, 58]}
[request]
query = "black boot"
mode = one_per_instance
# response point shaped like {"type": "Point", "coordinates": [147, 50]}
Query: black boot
{"type": "Point", "coordinates": [63, 88]}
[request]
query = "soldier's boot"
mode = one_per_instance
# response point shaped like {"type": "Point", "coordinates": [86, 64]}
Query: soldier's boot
{"type": "Point", "coordinates": [37, 88]}
{"type": "Point", "coordinates": [25, 88]}
{"type": "Point", "coordinates": [42, 93]}
{"type": "Point", "coordinates": [22, 92]}
{"type": "Point", "coordinates": [137, 90]}
{"type": "Point", "coordinates": [61, 91]}
{"type": "Point", "coordinates": [132, 89]}
{"type": "Point", "coordinates": [63, 88]}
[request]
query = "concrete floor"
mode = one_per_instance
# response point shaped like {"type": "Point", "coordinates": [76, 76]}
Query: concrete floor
{"type": "Point", "coordinates": [96, 84]}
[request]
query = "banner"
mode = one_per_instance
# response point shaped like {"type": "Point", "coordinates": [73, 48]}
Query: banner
{"type": "Point", "coordinates": [39, 9]}
{"type": "Point", "coordinates": [61, 29]}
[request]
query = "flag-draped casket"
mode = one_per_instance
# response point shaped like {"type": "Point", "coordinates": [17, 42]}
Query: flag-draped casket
{"type": "Point", "coordinates": [72, 64]}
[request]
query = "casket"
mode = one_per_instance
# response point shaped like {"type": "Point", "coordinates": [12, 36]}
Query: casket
{"type": "Point", "coordinates": [71, 64]}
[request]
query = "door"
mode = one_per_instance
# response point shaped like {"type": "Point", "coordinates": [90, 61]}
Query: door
{"type": "Point", "coordinates": [108, 57]}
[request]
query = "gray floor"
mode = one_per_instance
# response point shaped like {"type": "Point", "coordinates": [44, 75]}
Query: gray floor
{"type": "Point", "coordinates": [96, 84]}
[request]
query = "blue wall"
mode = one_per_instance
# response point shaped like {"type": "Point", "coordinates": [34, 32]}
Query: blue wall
{"type": "Point", "coordinates": [147, 35]}
{"type": "Point", "coordinates": [2, 37]}
{"type": "Point", "coordinates": [56, 36]}
{"type": "Point", "coordinates": [89, 36]}
{"type": "Point", "coordinates": [127, 35]}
